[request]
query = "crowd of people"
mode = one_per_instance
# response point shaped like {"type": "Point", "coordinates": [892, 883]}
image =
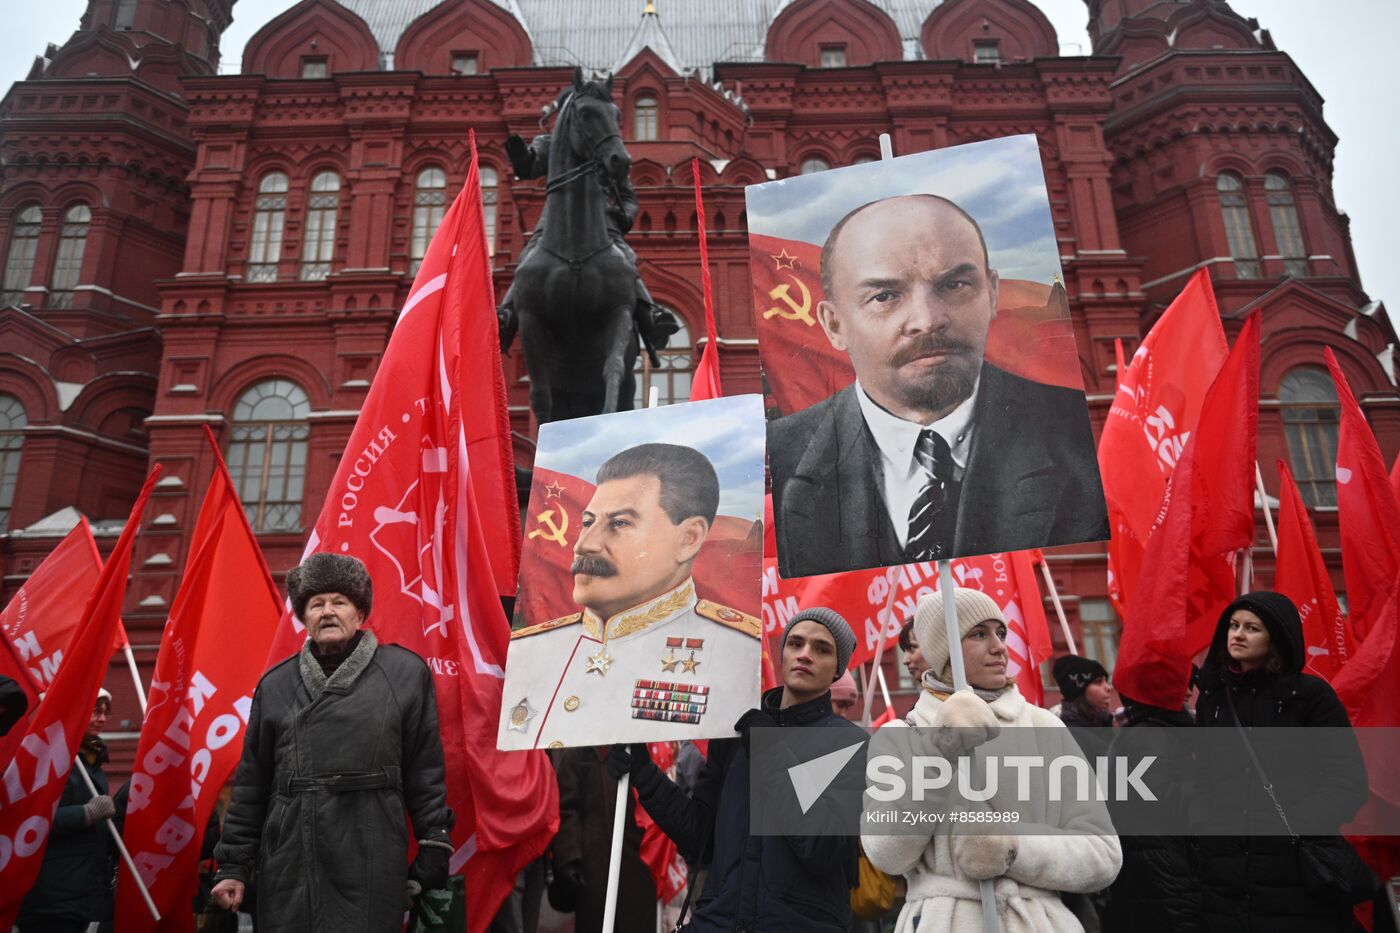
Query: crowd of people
{"type": "Point", "coordinates": [343, 757]}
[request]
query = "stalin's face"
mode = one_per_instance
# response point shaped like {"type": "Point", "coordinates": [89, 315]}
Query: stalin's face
{"type": "Point", "coordinates": [629, 551]}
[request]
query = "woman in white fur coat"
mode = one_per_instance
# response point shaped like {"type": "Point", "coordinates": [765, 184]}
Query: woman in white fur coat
{"type": "Point", "coordinates": [1057, 846]}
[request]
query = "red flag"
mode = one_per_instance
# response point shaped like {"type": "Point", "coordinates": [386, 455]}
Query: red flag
{"type": "Point", "coordinates": [1366, 510]}
{"type": "Point", "coordinates": [34, 780]}
{"type": "Point", "coordinates": [1206, 516]}
{"type": "Point", "coordinates": [1154, 411]}
{"type": "Point", "coordinates": [1300, 573]}
{"type": "Point", "coordinates": [705, 383]}
{"type": "Point", "coordinates": [41, 618]}
{"type": "Point", "coordinates": [1395, 477]}
{"type": "Point", "coordinates": [1031, 335]}
{"type": "Point", "coordinates": [404, 500]}
{"type": "Point", "coordinates": [210, 660]}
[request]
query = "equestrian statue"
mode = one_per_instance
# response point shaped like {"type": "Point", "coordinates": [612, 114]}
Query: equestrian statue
{"type": "Point", "coordinates": [580, 307]}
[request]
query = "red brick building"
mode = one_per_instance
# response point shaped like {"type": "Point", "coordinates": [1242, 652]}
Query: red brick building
{"type": "Point", "coordinates": [185, 248]}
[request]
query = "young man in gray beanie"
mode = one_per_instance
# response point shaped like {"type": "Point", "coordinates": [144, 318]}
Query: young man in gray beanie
{"type": "Point", "coordinates": [763, 883]}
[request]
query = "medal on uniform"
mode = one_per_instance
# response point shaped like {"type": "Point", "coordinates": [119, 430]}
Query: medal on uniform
{"type": "Point", "coordinates": [521, 714]}
{"type": "Point", "coordinates": [688, 665]}
{"type": "Point", "coordinates": [599, 662]}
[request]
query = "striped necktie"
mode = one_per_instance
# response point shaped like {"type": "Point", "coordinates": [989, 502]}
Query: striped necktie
{"type": "Point", "coordinates": [935, 460]}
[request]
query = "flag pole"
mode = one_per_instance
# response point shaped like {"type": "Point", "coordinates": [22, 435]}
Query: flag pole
{"type": "Point", "coordinates": [881, 621]}
{"type": "Point", "coordinates": [1264, 502]}
{"type": "Point", "coordinates": [1059, 606]}
{"type": "Point", "coordinates": [121, 846]}
{"type": "Point", "coordinates": [135, 675]}
{"type": "Point", "coordinates": [884, 687]}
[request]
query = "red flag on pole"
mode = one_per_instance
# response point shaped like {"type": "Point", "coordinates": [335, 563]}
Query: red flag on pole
{"type": "Point", "coordinates": [1300, 573]}
{"type": "Point", "coordinates": [404, 501]}
{"type": "Point", "coordinates": [706, 381]}
{"type": "Point", "coordinates": [1367, 511]}
{"type": "Point", "coordinates": [1395, 477]}
{"type": "Point", "coordinates": [1154, 411]}
{"type": "Point", "coordinates": [34, 780]}
{"type": "Point", "coordinates": [211, 657]}
{"type": "Point", "coordinates": [40, 619]}
{"type": "Point", "coordinates": [1206, 516]}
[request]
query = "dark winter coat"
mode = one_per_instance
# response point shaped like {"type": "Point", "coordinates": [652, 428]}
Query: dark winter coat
{"type": "Point", "coordinates": [1158, 889]}
{"type": "Point", "coordinates": [75, 879]}
{"type": "Point", "coordinates": [1254, 883]}
{"type": "Point", "coordinates": [758, 884]}
{"type": "Point", "coordinates": [330, 770]}
{"type": "Point", "coordinates": [587, 803]}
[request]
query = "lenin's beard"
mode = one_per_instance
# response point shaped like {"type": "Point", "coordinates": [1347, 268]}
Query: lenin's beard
{"type": "Point", "coordinates": [934, 388]}
{"type": "Point", "coordinates": [592, 566]}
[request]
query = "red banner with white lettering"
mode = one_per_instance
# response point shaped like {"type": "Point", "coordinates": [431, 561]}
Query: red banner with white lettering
{"type": "Point", "coordinates": [210, 660]}
{"type": "Point", "coordinates": [41, 618]}
{"type": "Point", "coordinates": [1300, 573]}
{"type": "Point", "coordinates": [861, 597]}
{"type": "Point", "coordinates": [34, 780]}
{"type": "Point", "coordinates": [1156, 408]}
{"type": "Point", "coordinates": [404, 500]}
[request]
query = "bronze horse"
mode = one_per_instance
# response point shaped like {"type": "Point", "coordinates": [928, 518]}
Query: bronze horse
{"type": "Point", "coordinates": [574, 294]}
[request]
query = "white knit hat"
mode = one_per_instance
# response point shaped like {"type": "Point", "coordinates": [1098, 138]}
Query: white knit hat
{"type": "Point", "coordinates": [973, 607]}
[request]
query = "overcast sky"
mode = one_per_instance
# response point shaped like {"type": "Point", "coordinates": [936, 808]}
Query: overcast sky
{"type": "Point", "coordinates": [1323, 40]}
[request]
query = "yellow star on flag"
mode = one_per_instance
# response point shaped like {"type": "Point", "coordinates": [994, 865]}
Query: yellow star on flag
{"type": "Point", "coordinates": [783, 260]}
{"type": "Point", "coordinates": [554, 490]}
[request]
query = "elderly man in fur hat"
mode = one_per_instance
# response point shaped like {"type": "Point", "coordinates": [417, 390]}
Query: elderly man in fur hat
{"type": "Point", "coordinates": [342, 742]}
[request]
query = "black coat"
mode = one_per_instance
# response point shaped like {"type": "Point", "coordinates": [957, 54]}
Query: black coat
{"type": "Point", "coordinates": [1031, 481]}
{"type": "Point", "coordinates": [1158, 889]}
{"type": "Point", "coordinates": [328, 857]}
{"type": "Point", "coordinates": [1254, 883]}
{"type": "Point", "coordinates": [75, 879]}
{"type": "Point", "coordinates": [760, 884]}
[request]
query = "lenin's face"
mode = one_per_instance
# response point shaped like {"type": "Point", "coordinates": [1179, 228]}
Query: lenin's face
{"type": "Point", "coordinates": [629, 551]}
{"type": "Point", "coordinates": [911, 301]}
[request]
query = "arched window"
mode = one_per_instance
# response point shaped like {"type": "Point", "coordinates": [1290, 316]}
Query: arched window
{"type": "Point", "coordinates": [269, 212]}
{"type": "Point", "coordinates": [490, 186]}
{"type": "Point", "coordinates": [813, 164]}
{"type": "Point", "coordinates": [125, 15]}
{"type": "Point", "coordinates": [1287, 231]}
{"type": "Point", "coordinates": [672, 377]}
{"type": "Point", "coordinates": [1310, 416]}
{"type": "Point", "coordinates": [24, 242]}
{"type": "Point", "coordinates": [267, 454]}
{"type": "Point", "coordinates": [429, 204]}
{"type": "Point", "coordinates": [318, 248]}
{"type": "Point", "coordinates": [1234, 209]}
{"type": "Point", "coordinates": [68, 265]}
{"type": "Point", "coordinates": [646, 122]}
{"type": "Point", "coordinates": [12, 422]}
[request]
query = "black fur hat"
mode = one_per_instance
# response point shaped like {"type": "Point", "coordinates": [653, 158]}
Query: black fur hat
{"type": "Point", "coordinates": [329, 573]}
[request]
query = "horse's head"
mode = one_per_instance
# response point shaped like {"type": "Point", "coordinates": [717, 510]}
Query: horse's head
{"type": "Point", "coordinates": [592, 125]}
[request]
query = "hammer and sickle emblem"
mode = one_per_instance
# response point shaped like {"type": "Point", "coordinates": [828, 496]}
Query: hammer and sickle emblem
{"type": "Point", "coordinates": [556, 532]}
{"type": "Point", "coordinates": [796, 311]}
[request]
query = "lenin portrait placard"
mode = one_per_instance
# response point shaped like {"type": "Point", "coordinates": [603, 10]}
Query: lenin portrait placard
{"type": "Point", "coordinates": [637, 617]}
{"type": "Point", "coordinates": [923, 390]}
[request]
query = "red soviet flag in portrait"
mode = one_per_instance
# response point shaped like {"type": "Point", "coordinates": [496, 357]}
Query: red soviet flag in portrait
{"type": "Point", "coordinates": [405, 501]}
{"type": "Point", "coordinates": [41, 618]}
{"type": "Point", "coordinates": [211, 657]}
{"type": "Point", "coordinates": [1300, 573]}
{"type": "Point", "coordinates": [1154, 411]}
{"type": "Point", "coordinates": [1206, 516]}
{"type": "Point", "coordinates": [1367, 511]}
{"type": "Point", "coordinates": [706, 383]}
{"type": "Point", "coordinates": [34, 780]}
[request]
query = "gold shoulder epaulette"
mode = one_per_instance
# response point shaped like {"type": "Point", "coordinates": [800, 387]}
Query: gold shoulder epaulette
{"type": "Point", "coordinates": [549, 626]}
{"type": "Point", "coordinates": [733, 618]}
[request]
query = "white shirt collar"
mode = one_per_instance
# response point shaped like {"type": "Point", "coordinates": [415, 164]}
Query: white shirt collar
{"type": "Point", "coordinates": [896, 437]}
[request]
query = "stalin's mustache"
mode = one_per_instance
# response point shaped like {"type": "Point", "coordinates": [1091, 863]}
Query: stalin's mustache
{"type": "Point", "coordinates": [593, 566]}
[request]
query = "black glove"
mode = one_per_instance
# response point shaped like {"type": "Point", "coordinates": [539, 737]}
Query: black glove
{"type": "Point", "coordinates": [565, 888]}
{"type": "Point", "coordinates": [754, 717]}
{"type": "Point", "coordinates": [518, 151]}
{"type": "Point", "coordinates": [627, 759]}
{"type": "Point", "coordinates": [429, 867]}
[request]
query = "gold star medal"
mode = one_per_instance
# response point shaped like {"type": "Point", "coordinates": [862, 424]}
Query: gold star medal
{"type": "Point", "coordinates": [689, 665]}
{"type": "Point", "coordinates": [669, 662]}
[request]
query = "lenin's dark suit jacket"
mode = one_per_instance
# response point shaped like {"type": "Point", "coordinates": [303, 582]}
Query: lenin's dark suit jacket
{"type": "Point", "coordinates": [1032, 479]}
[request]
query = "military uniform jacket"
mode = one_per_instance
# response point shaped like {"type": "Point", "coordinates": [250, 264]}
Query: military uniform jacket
{"type": "Point", "coordinates": [675, 667]}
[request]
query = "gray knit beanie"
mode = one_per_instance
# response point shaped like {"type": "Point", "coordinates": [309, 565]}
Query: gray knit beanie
{"type": "Point", "coordinates": [840, 631]}
{"type": "Point", "coordinates": [329, 573]}
{"type": "Point", "coordinates": [973, 608]}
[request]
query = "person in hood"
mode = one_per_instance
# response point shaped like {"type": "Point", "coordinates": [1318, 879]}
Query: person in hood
{"type": "Point", "coordinates": [762, 883]}
{"type": "Point", "coordinates": [1254, 671]}
{"type": "Point", "coordinates": [1073, 848]}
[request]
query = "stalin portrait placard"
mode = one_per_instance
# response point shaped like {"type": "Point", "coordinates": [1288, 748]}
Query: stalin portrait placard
{"type": "Point", "coordinates": [640, 579]}
{"type": "Point", "coordinates": [924, 397]}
